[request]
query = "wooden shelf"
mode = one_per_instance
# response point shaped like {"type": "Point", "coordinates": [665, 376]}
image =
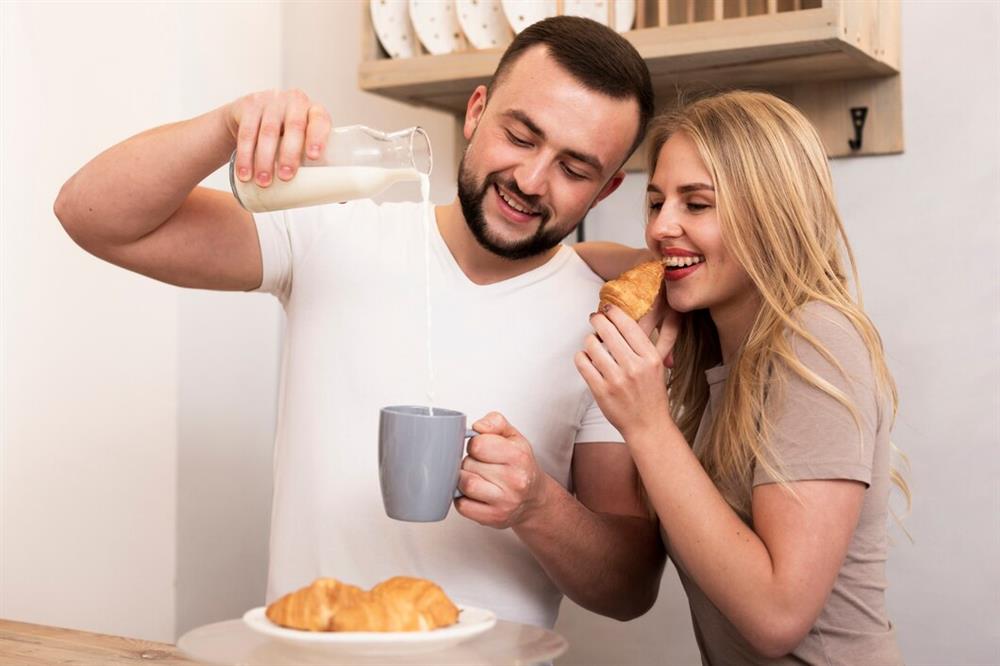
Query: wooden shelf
{"type": "Point", "coordinates": [826, 59]}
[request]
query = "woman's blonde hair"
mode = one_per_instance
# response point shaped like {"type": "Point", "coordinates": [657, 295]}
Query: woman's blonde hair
{"type": "Point", "coordinates": [779, 220]}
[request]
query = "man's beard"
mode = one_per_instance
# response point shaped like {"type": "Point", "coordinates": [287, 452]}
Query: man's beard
{"type": "Point", "coordinates": [471, 199]}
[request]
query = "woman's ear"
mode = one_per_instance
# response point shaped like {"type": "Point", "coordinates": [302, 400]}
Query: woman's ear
{"type": "Point", "coordinates": [474, 111]}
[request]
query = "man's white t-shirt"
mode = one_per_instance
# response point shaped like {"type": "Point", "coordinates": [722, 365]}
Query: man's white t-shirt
{"type": "Point", "coordinates": [351, 278]}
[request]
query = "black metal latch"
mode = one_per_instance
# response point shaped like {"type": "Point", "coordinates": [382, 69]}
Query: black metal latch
{"type": "Point", "coordinates": [858, 115]}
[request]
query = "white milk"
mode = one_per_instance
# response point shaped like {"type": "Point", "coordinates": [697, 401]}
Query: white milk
{"type": "Point", "coordinates": [314, 185]}
{"type": "Point", "coordinates": [425, 195]}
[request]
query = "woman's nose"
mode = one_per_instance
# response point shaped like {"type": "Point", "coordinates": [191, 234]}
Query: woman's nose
{"type": "Point", "coordinates": [664, 225]}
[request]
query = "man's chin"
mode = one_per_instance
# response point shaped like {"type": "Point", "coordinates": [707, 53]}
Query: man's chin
{"type": "Point", "coordinates": [515, 249]}
{"type": "Point", "coordinates": [502, 237]}
{"type": "Point", "coordinates": [511, 237]}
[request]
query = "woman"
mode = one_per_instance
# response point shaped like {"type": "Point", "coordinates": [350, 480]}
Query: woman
{"type": "Point", "coordinates": [766, 454]}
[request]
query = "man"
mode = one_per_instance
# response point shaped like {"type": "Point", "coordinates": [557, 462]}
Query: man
{"type": "Point", "coordinates": [552, 503]}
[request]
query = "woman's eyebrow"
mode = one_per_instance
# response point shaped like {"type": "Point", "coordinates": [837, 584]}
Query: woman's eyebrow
{"type": "Point", "coordinates": [694, 187]}
{"type": "Point", "coordinates": [682, 189]}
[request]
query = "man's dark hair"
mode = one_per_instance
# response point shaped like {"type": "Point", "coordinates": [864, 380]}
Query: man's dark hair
{"type": "Point", "coordinates": [594, 54]}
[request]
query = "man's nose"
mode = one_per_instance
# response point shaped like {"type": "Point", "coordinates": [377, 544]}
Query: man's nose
{"type": "Point", "coordinates": [532, 176]}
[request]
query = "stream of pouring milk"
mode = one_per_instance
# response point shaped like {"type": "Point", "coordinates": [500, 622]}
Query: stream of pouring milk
{"type": "Point", "coordinates": [425, 195]}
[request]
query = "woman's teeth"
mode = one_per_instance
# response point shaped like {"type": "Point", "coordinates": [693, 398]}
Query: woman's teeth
{"type": "Point", "coordinates": [513, 204]}
{"type": "Point", "coordinates": [682, 262]}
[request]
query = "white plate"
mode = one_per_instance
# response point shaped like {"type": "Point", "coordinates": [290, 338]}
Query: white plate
{"type": "Point", "coordinates": [471, 622]}
{"type": "Point", "coordinates": [598, 11]}
{"type": "Point", "coordinates": [436, 23]}
{"type": "Point", "coordinates": [391, 20]}
{"type": "Point", "coordinates": [483, 23]}
{"type": "Point", "coordinates": [522, 13]}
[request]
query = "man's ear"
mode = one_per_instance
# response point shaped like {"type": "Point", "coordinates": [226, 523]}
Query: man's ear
{"type": "Point", "coordinates": [612, 185]}
{"type": "Point", "coordinates": [474, 111]}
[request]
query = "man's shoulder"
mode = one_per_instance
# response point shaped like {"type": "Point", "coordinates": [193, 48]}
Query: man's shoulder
{"type": "Point", "coordinates": [568, 289]}
{"type": "Point", "coordinates": [357, 208]}
{"type": "Point", "coordinates": [403, 210]}
{"type": "Point", "coordinates": [360, 221]}
{"type": "Point", "coordinates": [578, 271]}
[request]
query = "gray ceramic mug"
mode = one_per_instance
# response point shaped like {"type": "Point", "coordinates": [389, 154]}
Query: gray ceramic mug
{"type": "Point", "coordinates": [419, 456]}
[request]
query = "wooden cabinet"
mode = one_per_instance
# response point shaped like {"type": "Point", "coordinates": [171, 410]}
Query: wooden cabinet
{"type": "Point", "coordinates": [825, 56]}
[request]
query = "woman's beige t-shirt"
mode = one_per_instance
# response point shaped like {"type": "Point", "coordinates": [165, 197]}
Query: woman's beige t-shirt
{"type": "Point", "coordinates": [815, 437]}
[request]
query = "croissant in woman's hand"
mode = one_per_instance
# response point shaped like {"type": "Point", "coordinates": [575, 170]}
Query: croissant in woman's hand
{"type": "Point", "coordinates": [635, 290]}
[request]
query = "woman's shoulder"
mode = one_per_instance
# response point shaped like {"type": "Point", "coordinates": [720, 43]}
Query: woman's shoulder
{"type": "Point", "coordinates": [828, 323]}
{"type": "Point", "coordinates": [834, 332]}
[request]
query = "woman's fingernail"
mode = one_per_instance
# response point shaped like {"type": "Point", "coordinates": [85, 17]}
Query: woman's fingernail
{"type": "Point", "coordinates": [263, 177]}
{"type": "Point", "coordinates": [606, 308]}
{"type": "Point", "coordinates": [244, 173]}
{"type": "Point", "coordinates": [285, 172]}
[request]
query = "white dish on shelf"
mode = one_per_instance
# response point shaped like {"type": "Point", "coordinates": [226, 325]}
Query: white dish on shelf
{"type": "Point", "coordinates": [484, 23]}
{"type": "Point", "coordinates": [598, 11]}
{"type": "Point", "coordinates": [391, 20]}
{"type": "Point", "coordinates": [436, 23]}
{"type": "Point", "coordinates": [471, 622]}
{"type": "Point", "coordinates": [522, 13]}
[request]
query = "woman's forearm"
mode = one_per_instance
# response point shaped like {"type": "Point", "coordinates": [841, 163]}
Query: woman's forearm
{"type": "Point", "coordinates": [724, 556]}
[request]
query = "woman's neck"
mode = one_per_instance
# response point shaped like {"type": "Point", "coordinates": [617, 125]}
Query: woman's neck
{"type": "Point", "coordinates": [733, 321]}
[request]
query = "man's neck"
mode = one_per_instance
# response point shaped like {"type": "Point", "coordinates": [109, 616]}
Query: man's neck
{"type": "Point", "coordinates": [480, 265]}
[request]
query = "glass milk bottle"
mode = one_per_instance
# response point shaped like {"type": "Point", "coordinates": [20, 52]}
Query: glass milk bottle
{"type": "Point", "coordinates": [359, 163]}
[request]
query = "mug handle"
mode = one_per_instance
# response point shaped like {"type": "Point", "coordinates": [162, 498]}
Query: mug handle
{"type": "Point", "coordinates": [469, 434]}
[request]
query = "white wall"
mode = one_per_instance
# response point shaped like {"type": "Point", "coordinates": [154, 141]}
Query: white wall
{"type": "Point", "coordinates": [137, 418]}
{"type": "Point", "coordinates": [94, 379]}
{"type": "Point", "coordinates": [926, 227]}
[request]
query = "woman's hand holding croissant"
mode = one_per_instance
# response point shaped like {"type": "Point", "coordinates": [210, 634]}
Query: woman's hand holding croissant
{"type": "Point", "coordinates": [625, 369]}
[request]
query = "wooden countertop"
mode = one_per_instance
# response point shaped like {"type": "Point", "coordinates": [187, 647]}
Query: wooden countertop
{"type": "Point", "coordinates": [27, 644]}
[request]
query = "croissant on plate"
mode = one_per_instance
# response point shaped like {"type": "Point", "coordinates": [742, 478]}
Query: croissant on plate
{"type": "Point", "coordinates": [635, 290]}
{"type": "Point", "coordinates": [313, 607]}
{"type": "Point", "coordinates": [397, 604]}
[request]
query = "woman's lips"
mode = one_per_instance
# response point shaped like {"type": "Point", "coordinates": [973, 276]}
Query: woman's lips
{"type": "Point", "coordinates": [672, 275]}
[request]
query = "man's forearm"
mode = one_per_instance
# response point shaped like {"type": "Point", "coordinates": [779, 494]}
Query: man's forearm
{"type": "Point", "coordinates": [609, 564]}
{"type": "Point", "coordinates": [609, 260]}
{"type": "Point", "coordinates": [130, 189]}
